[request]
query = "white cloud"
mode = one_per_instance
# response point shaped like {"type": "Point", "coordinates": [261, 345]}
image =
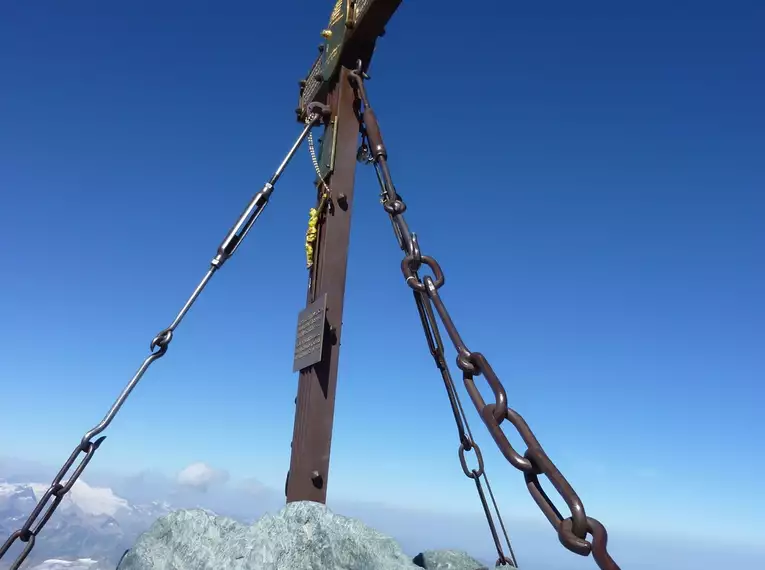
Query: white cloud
{"type": "Point", "coordinates": [200, 476]}
{"type": "Point", "coordinates": [253, 486]}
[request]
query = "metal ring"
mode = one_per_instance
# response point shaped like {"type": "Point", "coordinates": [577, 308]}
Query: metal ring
{"type": "Point", "coordinates": [472, 473]}
{"type": "Point", "coordinates": [465, 363]}
{"type": "Point", "coordinates": [319, 109]}
{"type": "Point", "coordinates": [24, 535]}
{"type": "Point", "coordinates": [161, 341]}
{"type": "Point", "coordinates": [411, 279]}
{"type": "Point", "coordinates": [59, 490]}
{"type": "Point", "coordinates": [394, 207]}
{"type": "Point", "coordinates": [570, 540]}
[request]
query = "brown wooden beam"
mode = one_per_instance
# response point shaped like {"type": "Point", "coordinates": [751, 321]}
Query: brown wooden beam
{"type": "Point", "coordinates": [349, 39]}
{"type": "Point", "coordinates": [312, 435]}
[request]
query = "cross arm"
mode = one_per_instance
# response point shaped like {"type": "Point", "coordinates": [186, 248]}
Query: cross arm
{"type": "Point", "coordinates": [353, 29]}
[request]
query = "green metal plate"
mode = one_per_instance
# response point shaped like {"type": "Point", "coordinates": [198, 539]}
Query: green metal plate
{"type": "Point", "coordinates": [326, 155]}
{"type": "Point", "coordinates": [349, 18]}
{"type": "Point", "coordinates": [336, 30]}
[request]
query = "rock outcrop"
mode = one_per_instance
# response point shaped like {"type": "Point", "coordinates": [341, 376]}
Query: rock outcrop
{"type": "Point", "coordinates": [302, 536]}
{"type": "Point", "coordinates": [447, 560]}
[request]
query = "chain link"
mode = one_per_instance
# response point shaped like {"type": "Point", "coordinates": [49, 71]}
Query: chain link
{"type": "Point", "coordinates": [467, 442]}
{"type": "Point", "coordinates": [573, 530]}
{"type": "Point", "coordinates": [315, 161]}
{"type": "Point", "coordinates": [55, 493]}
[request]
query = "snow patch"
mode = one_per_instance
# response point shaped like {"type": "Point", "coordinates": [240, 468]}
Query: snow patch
{"type": "Point", "coordinates": [8, 489]}
{"type": "Point", "coordinates": [90, 500]}
{"type": "Point", "coordinates": [55, 564]}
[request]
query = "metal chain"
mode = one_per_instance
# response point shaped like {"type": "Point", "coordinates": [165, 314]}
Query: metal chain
{"type": "Point", "coordinates": [467, 442]}
{"type": "Point", "coordinates": [573, 530]}
{"type": "Point", "coordinates": [314, 214]}
{"type": "Point", "coordinates": [55, 493]}
{"type": "Point", "coordinates": [435, 344]}
{"type": "Point", "coordinates": [315, 161]}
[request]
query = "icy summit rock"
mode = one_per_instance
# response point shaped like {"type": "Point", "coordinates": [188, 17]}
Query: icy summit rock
{"type": "Point", "coordinates": [302, 536]}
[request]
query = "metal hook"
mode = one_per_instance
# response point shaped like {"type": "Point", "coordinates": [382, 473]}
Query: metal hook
{"type": "Point", "coordinates": [358, 72]}
{"type": "Point", "coordinates": [319, 109]}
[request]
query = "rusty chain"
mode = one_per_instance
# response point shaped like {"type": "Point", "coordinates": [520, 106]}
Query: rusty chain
{"type": "Point", "coordinates": [467, 442]}
{"type": "Point", "coordinates": [573, 530]}
{"type": "Point", "coordinates": [432, 332]}
{"type": "Point", "coordinates": [58, 489]}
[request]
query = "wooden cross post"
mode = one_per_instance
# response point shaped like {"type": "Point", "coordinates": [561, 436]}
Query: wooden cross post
{"type": "Point", "coordinates": [351, 35]}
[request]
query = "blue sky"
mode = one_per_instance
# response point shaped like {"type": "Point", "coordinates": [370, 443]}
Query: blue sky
{"type": "Point", "coordinates": [590, 179]}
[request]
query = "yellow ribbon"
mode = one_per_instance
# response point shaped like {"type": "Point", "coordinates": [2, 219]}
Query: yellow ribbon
{"type": "Point", "coordinates": [313, 230]}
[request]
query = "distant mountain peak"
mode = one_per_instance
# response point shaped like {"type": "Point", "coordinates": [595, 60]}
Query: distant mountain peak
{"type": "Point", "coordinates": [92, 501]}
{"type": "Point", "coordinates": [90, 530]}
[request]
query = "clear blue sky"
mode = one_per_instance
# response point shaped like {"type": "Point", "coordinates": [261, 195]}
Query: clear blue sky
{"type": "Point", "coordinates": [591, 178]}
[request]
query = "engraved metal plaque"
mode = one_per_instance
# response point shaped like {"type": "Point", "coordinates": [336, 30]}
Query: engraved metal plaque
{"type": "Point", "coordinates": [315, 86]}
{"type": "Point", "coordinates": [309, 340]}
